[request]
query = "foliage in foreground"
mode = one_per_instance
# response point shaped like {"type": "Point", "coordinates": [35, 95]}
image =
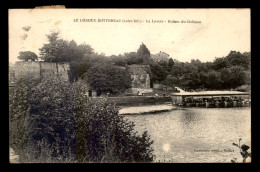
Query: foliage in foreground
{"type": "Point", "coordinates": [104, 136]}
{"type": "Point", "coordinates": [53, 121]}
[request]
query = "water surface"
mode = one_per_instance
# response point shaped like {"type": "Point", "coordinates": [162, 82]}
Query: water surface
{"type": "Point", "coordinates": [196, 134]}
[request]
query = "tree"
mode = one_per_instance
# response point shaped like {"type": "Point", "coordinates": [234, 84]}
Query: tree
{"type": "Point", "coordinates": [220, 63]}
{"type": "Point", "coordinates": [142, 56]}
{"type": "Point", "coordinates": [133, 58]}
{"type": "Point", "coordinates": [233, 59]}
{"type": "Point", "coordinates": [170, 63]}
{"type": "Point", "coordinates": [233, 77]}
{"type": "Point", "coordinates": [119, 60]}
{"type": "Point", "coordinates": [105, 77]}
{"type": "Point", "coordinates": [213, 80]}
{"type": "Point", "coordinates": [144, 53]}
{"type": "Point", "coordinates": [27, 55]}
{"type": "Point", "coordinates": [80, 51]}
{"type": "Point", "coordinates": [158, 73]}
{"type": "Point", "coordinates": [238, 59]}
{"type": "Point", "coordinates": [237, 76]}
{"type": "Point", "coordinates": [56, 50]}
{"type": "Point", "coordinates": [59, 50]}
{"type": "Point", "coordinates": [78, 68]}
{"type": "Point", "coordinates": [169, 81]}
{"type": "Point", "coordinates": [163, 63]}
{"type": "Point", "coordinates": [177, 71]}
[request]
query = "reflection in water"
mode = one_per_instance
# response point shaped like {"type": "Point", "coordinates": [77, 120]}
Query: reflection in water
{"type": "Point", "coordinates": [196, 134]}
{"type": "Point", "coordinates": [189, 118]}
{"type": "Point", "coordinates": [166, 147]}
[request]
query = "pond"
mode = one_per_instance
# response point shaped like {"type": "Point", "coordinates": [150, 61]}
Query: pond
{"type": "Point", "coordinates": [197, 135]}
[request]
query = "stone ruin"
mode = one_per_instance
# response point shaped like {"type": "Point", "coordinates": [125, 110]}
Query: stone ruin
{"type": "Point", "coordinates": [140, 75]}
{"type": "Point", "coordinates": [41, 70]}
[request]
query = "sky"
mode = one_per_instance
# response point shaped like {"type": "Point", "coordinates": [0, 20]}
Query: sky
{"type": "Point", "coordinates": [218, 32]}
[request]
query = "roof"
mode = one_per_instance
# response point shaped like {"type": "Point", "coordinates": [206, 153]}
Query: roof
{"type": "Point", "coordinates": [210, 93]}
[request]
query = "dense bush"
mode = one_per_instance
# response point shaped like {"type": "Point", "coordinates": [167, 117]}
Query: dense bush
{"type": "Point", "coordinates": [53, 106]}
{"type": "Point", "coordinates": [18, 115]}
{"type": "Point", "coordinates": [104, 136]}
{"type": "Point", "coordinates": [59, 124]}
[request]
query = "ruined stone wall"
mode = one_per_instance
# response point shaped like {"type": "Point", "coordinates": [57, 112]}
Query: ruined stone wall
{"type": "Point", "coordinates": [140, 76]}
{"type": "Point", "coordinates": [140, 81]}
{"type": "Point", "coordinates": [25, 69]}
{"type": "Point", "coordinates": [48, 70]}
{"type": "Point", "coordinates": [41, 70]}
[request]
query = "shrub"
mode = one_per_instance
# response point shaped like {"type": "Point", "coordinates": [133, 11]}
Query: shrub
{"type": "Point", "coordinates": [104, 136]}
{"type": "Point", "coordinates": [18, 115]}
{"type": "Point", "coordinates": [52, 113]}
{"type": "Point", "coordinates": [60, 124]}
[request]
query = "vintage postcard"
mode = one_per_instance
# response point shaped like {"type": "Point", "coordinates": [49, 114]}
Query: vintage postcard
{"type": "Point", "coordinates": [129, 85]}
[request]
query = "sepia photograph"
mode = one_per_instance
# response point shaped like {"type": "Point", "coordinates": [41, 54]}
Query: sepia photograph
{"type": "Point", "coordinates": [129, 85]}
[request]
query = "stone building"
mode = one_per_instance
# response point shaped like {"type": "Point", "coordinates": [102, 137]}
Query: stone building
{"type": "Point", "coordinates": [140, 75]}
